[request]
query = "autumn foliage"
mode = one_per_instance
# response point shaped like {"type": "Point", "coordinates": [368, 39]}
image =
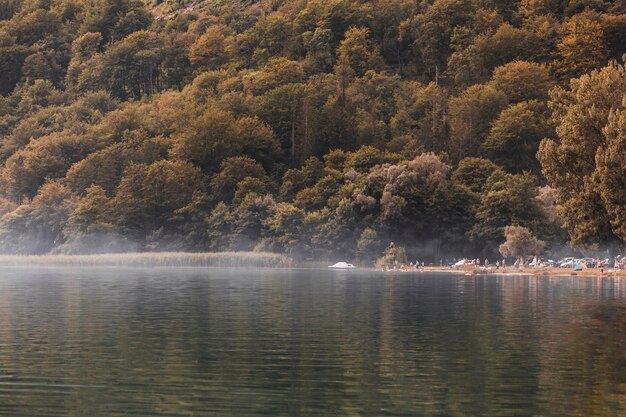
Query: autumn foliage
{"type": "Point", "coordinates": [312, 128]}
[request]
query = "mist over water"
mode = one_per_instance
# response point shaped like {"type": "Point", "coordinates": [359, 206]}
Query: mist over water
{"type": "Point", "coordinates": [119, 342]}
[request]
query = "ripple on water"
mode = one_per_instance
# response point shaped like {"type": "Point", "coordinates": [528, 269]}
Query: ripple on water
{"type": "Point", "coordinates": [284, 343]}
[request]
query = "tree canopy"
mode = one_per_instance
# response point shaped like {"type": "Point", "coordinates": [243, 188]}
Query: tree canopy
{"type": "Point", "coordinates": [317, 128]}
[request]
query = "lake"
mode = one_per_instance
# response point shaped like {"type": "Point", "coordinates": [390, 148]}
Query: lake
{"type": "Point", "coordinates": [208, 342]}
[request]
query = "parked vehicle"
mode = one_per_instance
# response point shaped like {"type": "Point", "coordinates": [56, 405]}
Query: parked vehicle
{"type": "Point", "coordinates": [541, 263]}
{"type": "Point", "coordinates": [589, 262]}
{"type": "Point", "coordinates": [460, 264]}
{"type": "Point", "coordinates": [566, 262]}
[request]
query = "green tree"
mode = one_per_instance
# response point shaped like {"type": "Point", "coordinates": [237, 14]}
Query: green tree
{"type": "Point", "coordinates": [569, 162]}
{"type": "Point", "coordinates": [105, 168]}
{"type": "Point", "coordinates": [475, 63]}
{"type": "Point", "coordinates": [474, 173]}
{"type": "Point", "coordinates": [369, 244]}
{"type": "Point", "coordinates": [128, 68]}
{"type": "Point", "coordinates": [284, 227]}
{"type": "Point", "coordinates": [249, 222]}
{"type": "Point", "coordinates": [515, 135]}
{"type": "Point", "coordinates": [522, 81]}
{"type": "Point", "coordinates": [36, 226]}
{"type": "Point", "coordinates": [215, 135]}
{"type": "Point", "coordinates": [610, 173]}
{"type": "Point", "coordinates": [233, 170]}
{"type": "Point", "coordinates": [471, 115]}
{"type": "Point", "coordinates": [434, 31]}
{"type": "Point", "coordinates": [507, 200]}
{"type": "Point", "coordinates": [149, 195]}
{"type": "Point", "coordinates": [359, 51]}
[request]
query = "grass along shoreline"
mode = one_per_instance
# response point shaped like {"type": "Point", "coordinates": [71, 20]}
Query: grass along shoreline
{"type": "Point", "coordinates": [156, 259]}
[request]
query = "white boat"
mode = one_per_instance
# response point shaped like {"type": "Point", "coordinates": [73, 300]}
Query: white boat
{"type": "Point", "coordinates": [342, 265]}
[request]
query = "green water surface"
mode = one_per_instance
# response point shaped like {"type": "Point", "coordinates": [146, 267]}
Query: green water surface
{"type": "Point", "coordinates": [201, 342]}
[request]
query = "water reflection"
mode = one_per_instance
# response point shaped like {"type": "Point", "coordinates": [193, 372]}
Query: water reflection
{"type": "Point", "coordinates": [215, 342]}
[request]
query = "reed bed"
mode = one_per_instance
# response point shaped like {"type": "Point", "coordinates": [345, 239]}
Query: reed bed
{"type": "Point", "coordinates": [157, 259]}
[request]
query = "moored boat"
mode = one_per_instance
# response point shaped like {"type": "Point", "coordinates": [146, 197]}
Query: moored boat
{"type": "Point", "coordinates": [342, 265]}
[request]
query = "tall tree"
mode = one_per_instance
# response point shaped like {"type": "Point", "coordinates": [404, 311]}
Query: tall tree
{"type": "Point", "coordinates": [471, 115]}
{"type": "Point", "coordinates": [587, 117]}
{"type": "Point", "coordinates": [514, 137]}
{"type": "Point", "coordinates": [582, 47]}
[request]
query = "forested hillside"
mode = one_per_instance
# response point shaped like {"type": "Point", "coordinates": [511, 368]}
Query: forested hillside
{"type": "Point", "coordinates": [311, 127]}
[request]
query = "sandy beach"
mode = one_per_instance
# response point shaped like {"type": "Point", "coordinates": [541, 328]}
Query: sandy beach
{"type": "Point", "coordinates": [585, 272]}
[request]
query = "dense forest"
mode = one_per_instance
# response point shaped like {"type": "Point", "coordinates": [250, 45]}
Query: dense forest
{"type": "Point", "coordinates": [311, 127]}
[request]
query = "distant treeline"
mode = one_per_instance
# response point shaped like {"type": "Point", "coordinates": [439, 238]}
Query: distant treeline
{"type": "Point", "coordinates": [312, 128]}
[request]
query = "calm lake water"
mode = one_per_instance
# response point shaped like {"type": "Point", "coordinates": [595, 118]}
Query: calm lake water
{"type": "Point", "coordinates": [161, 342]}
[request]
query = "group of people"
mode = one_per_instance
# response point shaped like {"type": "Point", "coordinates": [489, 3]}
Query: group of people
{"type": "Point", "coordinates": [391, 262]}
{"type": "Point", "coordinates": [486, 264]}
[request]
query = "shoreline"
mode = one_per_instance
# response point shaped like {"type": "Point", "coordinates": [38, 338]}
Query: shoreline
{"type": "Point", "coordinates": [262, 260]}
{"type": "Point", "coordinates": [542, 272]}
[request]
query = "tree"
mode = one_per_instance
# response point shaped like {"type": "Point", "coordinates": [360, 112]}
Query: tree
{"type": "Point", "coordinates": [249, 222]}
{"type": "Point", "coordinates": [281, 107]}
{"type": "Point", "coordinates": [284, 226]}
{"type": "Point", "coordinates": [520, 242]}
{"type": "Point", "coordinates": [149, 195]}
{"type": "Point", "coordinates": [84, 47]}
{"type": "Point", "coordinates": [522, 81]}
{"type": "Point", "coordinates": [92, 211]}
{"type": "Point", "coordinates": [474, 173]}
{"type": "Point", "coordinates": [569, 162]}
{"type": "Point", "coordinates": [296, 179]}
{"type": "Point", "coordinates": [114, 18]}
{"type": "Point", "coordinates": [31, 27]}
{"type": "Point", "coordinates": [476, 62]}
{"type": "Point", "coordinates": [233, 171]}
{"type": "Point", "coordinates": [530, 8]}
{"type": "Point", "coordinates": [36, 227]}
{"type": "Point", "coordinates": [471, 114]}
{"type": "Point", "coordinates": [514, 137]}
{"type": "Point", "coordinates": [89, 228]}
{"type": "Point", "coordinates": [12, 57]}
{"type": "Point", "coordinates": [127, 69]}
{"type": "Point", "coordinates": [582, 47]}
{"type": "Point", "coordinates": [105, 168]}
{"type": "Point", "coordinates": [369, 244]}
{"type": "Point", "coordinates": [8, 8]}
{"type": "Point", "coordinates": [610, 173]}
{"type": "Point", "coordinates": [507, 200]}
{"type": "Point", "coordinates": [358, 50]}
{"type": "Point", "coordinates": [47, 158]}
{"type": "Point", "coordinates": [207, 52]}
{"type": "Point", "coordinates": [434, 30]}
{"type": "Point", "coordinates": [426, 111]}
{"type": "Point", "coordinates": [215, 135]}
{"type": "Point", "coordinates": [319, 55]}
